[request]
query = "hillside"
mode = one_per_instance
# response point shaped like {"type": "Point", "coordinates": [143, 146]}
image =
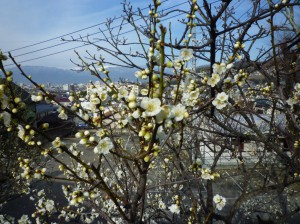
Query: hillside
{"type": "Point", "coordinates": [52, 75]}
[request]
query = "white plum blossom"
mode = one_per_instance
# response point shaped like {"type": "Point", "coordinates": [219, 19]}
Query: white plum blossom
{"type": "Point", "coordinates": [24, 220]}
{"type": "Point", "coordinates": [178, 112]}
{"type": "Point", "coordinates": [6, 118]}
{"type": "Point", "coordinates": [85, 116]}
{"type": "Point", "coordinates": [219, 104]}
{"type": "Point", "coordinates": [36, 98]}
{"type": "Point", "coordinates": [240, 77]}
{"type": "Point", "coordinates": [206, 174]}
{"type": "Point", "coordinates": [104, 146]}
{"type": "Point", "coordinates": [161, 135]}
{"type": "Point", "coordinates": [122, 93]}
{"type": "Point", "coordinates": [229, 66]}
{"type": "Point", "coordinates": [136, 114]}
{"type": "Point", "coordinates": [21, 132]}
{"type": "Point", "coordinates": [222, 96]}
{"type": "Point", "coordinates": [71, 98]}
{"type": "Point", "coordinates": [2, 87]}
{"type": "Point", "coordinates": [161, 205]}
{"type": "Point", "coordinates": [6, 219]}
{"type": "Point", "coordinates": [49, 205]}
{"type": "Point", "coordinates": [219, 68]}
{"type": "Point", "coordinates": [190, 98]}
{"type": "Point", "coordinates": [157, 58]}
{"type": "Point", "coordinates": [103, 96]}
{"type": "Point", "coordinates": [62, 115]}
{"type": "Point", "coordinates": [95, 100]}
{"type": "Point", "coordinates": [144, 92]}
{"type": "Point", "coordinates": [219, 201]}
{"type": "Point", "coordinates": [57, 142]}
{"type": "Point", "coordinates": [174, 208]}
{"type": "Point", "coordinates": [124, 122]}
{"type": "Point", "coordinates": [178, 63]}
{"type": "Point", "coordinates": [138, 74]}
{"type": "Point", "coordinates": [3, 102]}
{"type": "Point", "coordinates": [228, 80]}
{"type": "Point", "coordinates": [163, 114]}
{"type": "Point", "coordinates": [186, 54]}
{"type": "Point", "coordinates": [291, 101]}
{"type": "Point", "coordinates": [297, 87]}
{"type": "Point", "coordinates": [220, 101]}
{"type": "Point", "coordinates": [151, 106]}
{"type": "Point", "coordinates": [213, 81]}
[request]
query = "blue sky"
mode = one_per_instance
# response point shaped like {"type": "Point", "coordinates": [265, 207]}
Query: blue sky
{"type": "Point", "coordinates": [27, 22]}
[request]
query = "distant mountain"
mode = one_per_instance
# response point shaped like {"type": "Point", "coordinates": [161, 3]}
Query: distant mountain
{"type": "Point", "coordinates": [52, 75]}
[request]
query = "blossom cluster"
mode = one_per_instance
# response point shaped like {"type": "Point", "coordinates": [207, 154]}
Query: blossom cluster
{"type": "Point", "coordinates": [294, 99]}
{"type": "Point", "coordinates": [219, 201]}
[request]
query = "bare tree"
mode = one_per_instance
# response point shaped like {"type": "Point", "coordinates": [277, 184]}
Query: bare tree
{"type": "Point", "coordinates": [219, 145]}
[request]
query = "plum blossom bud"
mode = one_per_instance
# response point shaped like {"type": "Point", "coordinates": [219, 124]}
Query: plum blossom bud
{"type": "Point", "coordinates": [79, 135]}
{"type": "Point", "coordinates": [147, 159]}
{"type": "Point", "coordinates": [17, 100]}
{"type": "Point", "coordinates": [132, 105]}
{"type": "Point", "coordinates": [45, 125]}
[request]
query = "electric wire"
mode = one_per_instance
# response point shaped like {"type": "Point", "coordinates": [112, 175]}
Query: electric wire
{"type": "Point", "coordinates": [73, 32]}
{"type": "Point", "coordinates": [86, 44]}
{"type": "Point", "coordinates": [88, 35]}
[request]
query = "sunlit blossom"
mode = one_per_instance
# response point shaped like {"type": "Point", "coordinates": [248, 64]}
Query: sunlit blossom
{"type": "Point", "coordinates": [21, 132]}
{"type": "Point", "coordinates": [36, 98]}
{"type": "Point", "coordinates": [174, 208]}
{"type": "Point", "coordinates": [213, 81]}
{"type": "Point", "coordinates": [297, 87]}
{"type": "Point", "coordinates": [151, 106]}
{"type": "Point", "coordinates": [219, 68]}
{"type": "Point", "coordinates": [206, 174]}
{"type": "Point", "coordinates": [186, 54]}
{"type": "Point", "coordinates": [229, 66]}
{"type": "Point", "coordinates": [62, 115]}
{"type": "Point", "coordinates": [6, 118]}
{"type": "Point", "coordinates": [161, 205]}
{"type": "Point", "coordinates": [103, 96]}
{"type": "Point", "coordinates": [104, 146]}
{"type": "Point", "coordinates": [219, 104]}
{"type": "Point", "coordinates": [163, 114]}
{"type": "Point", "coordinates": [24, 220]}
{"type": "Point", "coordinates": [219, 201]}
{"type": "Point", "coordinates": [190, 98]}
{"type": "Point", "coordinates": [220, 101]}
{"type": "Point", "coordinates": [136, 114]}
{"type": "Point", "coordinates": [95, 100]}
{"type": "Point", "coordinates": [138, 74]}
{"type": "Point", "coordinates": [144, 92]}
{"type": "Point", "coordinates": [222, 96]}
{"type": "Point", "coordinates": [57, 142]}
{"type": "Point", "coordinates": [122, 93]}
{"type": "Point", "coordinates": [228, 80]}
{"type": "Point", "coordinates": [178, 112]}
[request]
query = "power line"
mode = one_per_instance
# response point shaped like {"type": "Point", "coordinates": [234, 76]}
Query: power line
{"type": "Point", "coordinates": [76, 31]}
{"type": "Point", "coordinates": [86, 44]}
{"type": "Point", "coordinates": [89, 35]}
